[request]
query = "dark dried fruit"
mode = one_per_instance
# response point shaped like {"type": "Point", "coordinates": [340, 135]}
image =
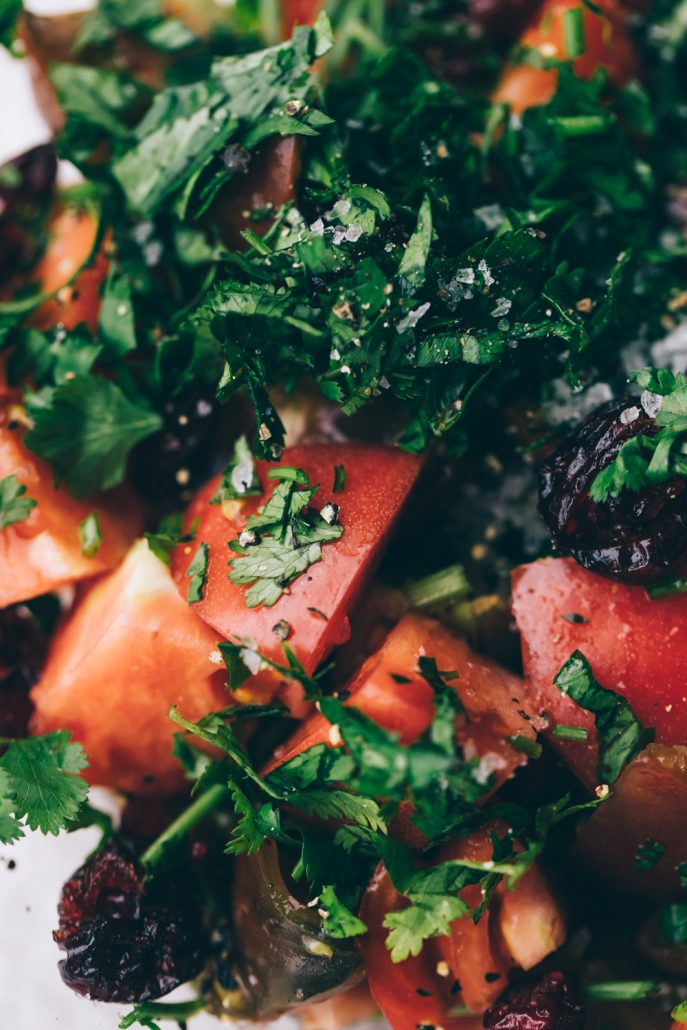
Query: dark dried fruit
{"type": "Point", "coordinates": [26, 185]}
{"type": "Point", "coordinates": [546, 1004]}
{"type": "Point", "coordinates": [126, 942]}
{"type": "Point", "coordinates": [637, 537]}
{"type": "Point", "coordinates": [22, 648]}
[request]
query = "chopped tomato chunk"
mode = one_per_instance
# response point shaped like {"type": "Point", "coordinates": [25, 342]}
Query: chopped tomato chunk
{"type": "Point", "coordinates": [646, 807]}
{"type": "Point", "coordinates": [607, 45]}
{"type": "Point", "coordinates": [131, 648]}
{"type": "Point", "coordinates": [635, 647]}
{"type": "Point", "coordinates": [43, 552]}
{"type": "Point", "coordinates": [72, 238]}
{"type": "Point", "coordinates": [317, 604]}
{"type": "Point", "coordinates": [472, 963]}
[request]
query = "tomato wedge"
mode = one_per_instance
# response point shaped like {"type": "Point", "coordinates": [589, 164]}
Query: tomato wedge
{"type": "Point", "coordinates": [317, 604]}
{"type": "Point", "coordinates": [43, 552]}
{"type": "Point", "coordinates": [636, 647]}
{"type": "Point", "coordinates": [471, 964]}
{"type": "Point", "coordinates": [607, 45]}
{"type": "Point", "coordinates": [131, 649]}
{"type": "Point", "coordinates": [493, 698]}
{"type": "Point", "coordinates": [648, 804]}
{"type": "Point", "coordinates": [72, 235]}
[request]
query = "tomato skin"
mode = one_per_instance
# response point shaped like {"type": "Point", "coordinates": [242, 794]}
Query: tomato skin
{"type": "Point", "coordinates": [396, 987]}
{"type": "Point", "coordinates": [72, 235]}
{"type": "Point", "coordinates": [130, 649]}
{"type": "Point", "coordinates": [492, 697]}
{"type": "Point", "coordinates": [648, 802]}
{"type": "Point", "coordinates": [378, 480]}
{"type": "Point", "coordinates": [43, 552]}
{"type": "Point", "coordinates": [636, 647]}
{"type": "Point", "coordinates": [528, 918]}
{"type": "Point", "coordinates": [607, 44]}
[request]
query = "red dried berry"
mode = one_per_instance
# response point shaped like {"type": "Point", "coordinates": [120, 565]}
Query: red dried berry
{"type": "Point", "coordinates": [22, 648]}
{"type": "Point", "coordinates": [546, 1004]}
{"type": "Point", "coordinates": [637, 537]}
{"type": "Point", "coordinates": [126, 941]}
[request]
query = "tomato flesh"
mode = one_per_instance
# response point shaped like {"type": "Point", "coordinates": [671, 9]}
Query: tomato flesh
{"type": "Point", "coordinates": [493, 699]}
{"type": "Point", "coordinates": [648, 803]}
{"type": "Point", "coordinates": [316, 604]}
{"type": "Point", "coordinates": [635, 646]}
{"type": "Point", "coordinates": [72, 236]}
{"type": "Point", "coordinates": [43, 552]}
{"type": "Point", "coordinates": [471, 964]}
{"type": "Point", "coordinates": [130, 649]}
{"type": "Point", "coordinates": [607, 45]}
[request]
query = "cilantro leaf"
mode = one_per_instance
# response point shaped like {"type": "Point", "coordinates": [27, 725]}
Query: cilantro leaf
{"type": "Point", "coordinates": [281, 542]}
{"type": "Point", "coordinates": [620, 734]}
{"type": "Point", "coordinates": [197, 572]}
{"type": "Point", "coordinates": [246, 838]}
{"type": "Point", "coordinates": [86, 429]}
{"type": "Point", "coordinates": [15, 506]}
{"type": "Point", "coordinates": [40, 782]}
{"type": "Point", "coordinates": [339, 921]}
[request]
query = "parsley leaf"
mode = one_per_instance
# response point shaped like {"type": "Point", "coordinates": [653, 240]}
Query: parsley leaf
{"type": "Point", "coordinates": [246, 837]}
{"type": "Point", "coordinates": [15, 506]}
{"type": "Point", "coordinates": [86, 428]}
{"type": "Point", "coordinates": [40, 784]}
{"type": "Point", "coordinates": [620, 734]}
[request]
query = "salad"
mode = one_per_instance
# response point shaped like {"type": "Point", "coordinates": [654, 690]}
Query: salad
{"type": "Point", "coordinates": [343, 506]}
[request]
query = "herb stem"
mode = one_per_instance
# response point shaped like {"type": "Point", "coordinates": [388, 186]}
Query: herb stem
{"type": "Point", "coordinates": [204, 804]}
{"type": "Point", "coordinates": [622, 990]}
{"type": "Point", "coordinates": [582, 125]}
{"type": "Point", "coordinates": [177, 1011]}
{"type": "Point", "coordinates": [449, 584]}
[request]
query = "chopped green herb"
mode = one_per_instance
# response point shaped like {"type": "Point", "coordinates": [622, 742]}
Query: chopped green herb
{"type": "Point", "coordinates": [90, 535]}
{"type": "Point", "coordinates": [339, 921]}
{"type": "Point", "coordinates": [40, 785]}
{"type": "Point", "coordinates": [86, 429]}
{"type": "Point", "coordinates": [622, 990]}
{"type": "Point", "coordinates": [564, 732]}
{"type": "Point", "coordinates": [15, 506]}
{"type": "Point", "coordinates": [198, 571]}
{"type": "Point", "coordinates": [529, 747]}
{"type": "Point", "coordinates": [673, 923]}
{"type": "Point", "coordinates": [282, 541]}
{"type": "Point", "coordinates": [339, 483]}
{"type": "Point", "coordinates": [675, 586]}
{"type": "Point", "coordinates": [169, 535]}
{"type": "Point", "coordinates": [620, 734]}
{"type": "Point", "coordinates": [449, 584]}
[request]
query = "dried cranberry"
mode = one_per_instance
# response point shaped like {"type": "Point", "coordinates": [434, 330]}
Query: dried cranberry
{"type": "Point", "coordinates": [126, 941]}
{"type": "Point", "coordinates": [22, 648]}
{"type": "Point", "coordinates": [546, 1004]}
{"type": "Point", "coordinates": [637, 537]}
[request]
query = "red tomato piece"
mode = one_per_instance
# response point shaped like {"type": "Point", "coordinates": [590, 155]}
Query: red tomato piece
{"type": "Point", "coordinates": [131, 648]}
{"type": "Point", "coordinates": [43, 552]}
{"type": "Point", "coordinates": [317, 604]}
{"type": "Point", "coordinates": [648, 803]}
{"type": "Point", "coordinates": [635, 647]}
{"type": "Point", "coordinates": [607, 45]}
{"type": "Point", "coordinates": [299, 12]}
{"type": "Point", "coordinates": [493, 698]}
{"type": "Point", "coordinates": [72, 237]}
{"type": "Point", "coordinates": [523, 924]}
